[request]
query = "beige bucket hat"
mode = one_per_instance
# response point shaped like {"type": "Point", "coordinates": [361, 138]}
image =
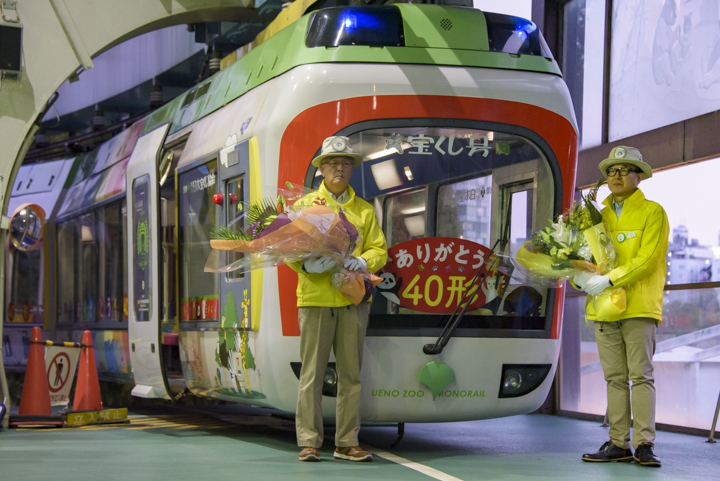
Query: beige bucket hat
{"type": "Point", "coordinates": [335, 146]}
{"type": "Point", "coordinates": [626, 155]}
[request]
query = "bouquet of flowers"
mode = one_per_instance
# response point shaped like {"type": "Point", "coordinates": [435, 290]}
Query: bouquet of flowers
{"type": "Point", "coordinates": [289, 229]}
{"type": "Point", "coordinates": [576, 246]}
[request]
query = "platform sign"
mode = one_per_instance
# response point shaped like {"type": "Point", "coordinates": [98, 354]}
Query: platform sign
{"type": "Point", "coordinates": [60, 364]}
{"type": "Point", "coordinates": [433, 273]}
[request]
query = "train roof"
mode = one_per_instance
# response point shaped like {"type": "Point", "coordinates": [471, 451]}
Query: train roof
{"type": "Point", "coordinates": [394, 34]}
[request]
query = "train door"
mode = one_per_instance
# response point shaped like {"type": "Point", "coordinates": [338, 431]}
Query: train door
{"type": "Point", "coordinates": [235, 286]}
{"type": "Point", "coordinates": [143, 267]}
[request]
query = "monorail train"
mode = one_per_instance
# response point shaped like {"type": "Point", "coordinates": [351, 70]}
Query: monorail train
{"type": "Point", "coordinates": [469, 141]}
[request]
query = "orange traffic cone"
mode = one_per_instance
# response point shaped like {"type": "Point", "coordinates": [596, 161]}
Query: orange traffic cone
{"type": "Point", "coordinates": [87, 390]}
{"type": "Point", "coordinates": [35, 399]}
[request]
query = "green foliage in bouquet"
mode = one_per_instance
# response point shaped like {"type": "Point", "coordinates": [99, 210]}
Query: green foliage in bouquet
{"type": "Point", "coordinates": [590, 202]}
{"type": "Point", "coordinates": [257, 218]}
{"type": "Point", "coordinates": [563, 240]}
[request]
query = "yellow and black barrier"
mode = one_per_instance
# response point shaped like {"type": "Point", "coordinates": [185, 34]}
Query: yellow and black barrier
{"type": "Point", "coordinates": [60, 344]}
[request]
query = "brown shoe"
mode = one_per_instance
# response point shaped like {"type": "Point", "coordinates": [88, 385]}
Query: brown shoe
{"type": "Point", "coordinates": [309, 454]}
{"type": "Point", "coordinates": [353, 453]}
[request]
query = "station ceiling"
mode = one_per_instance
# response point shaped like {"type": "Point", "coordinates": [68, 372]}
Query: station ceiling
{"type": "Point", "coordinates": [67, 132]}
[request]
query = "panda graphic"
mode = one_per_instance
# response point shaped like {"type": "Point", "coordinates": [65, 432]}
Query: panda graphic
{"type": "Point", "coordinates": [390, 287]}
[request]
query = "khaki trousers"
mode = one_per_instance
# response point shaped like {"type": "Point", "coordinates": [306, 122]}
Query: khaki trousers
{"type": "Point", "coordinates": [343, 330]}
{"type": "Point", "coordinates": [626, 350]}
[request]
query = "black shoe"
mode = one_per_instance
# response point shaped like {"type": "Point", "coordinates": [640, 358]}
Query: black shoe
{"type": "Point", "coordinates": [644, 456]}
{"type": "Point", "coordinates": [609, 452]}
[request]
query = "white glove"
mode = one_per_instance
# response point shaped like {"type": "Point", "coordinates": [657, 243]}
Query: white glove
{"type": "Point", "coordinates": [597, 284]}
{"type": "Point", "coordinates": [355, 263]}
{"type": "Point", "coordinates": [319, 264]}
{"type": "Point", "coordinates": [582, 278]}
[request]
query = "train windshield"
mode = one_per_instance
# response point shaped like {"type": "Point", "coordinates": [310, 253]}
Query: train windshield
{"type": "Point", "coordinates": [446, 197]}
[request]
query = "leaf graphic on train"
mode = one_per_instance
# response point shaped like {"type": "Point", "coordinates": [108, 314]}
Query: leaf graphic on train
{"type": "Point", "coordinates": [226, 343]}
{"type": "Point", "coordinates": [230, 318]}
{"type": "Point", "coordinates": [436, 375]}
{"type": "Point", "coordinates": [247, 356]}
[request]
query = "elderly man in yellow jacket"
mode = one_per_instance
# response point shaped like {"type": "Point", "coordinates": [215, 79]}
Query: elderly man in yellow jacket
{"type": "Point", "coordinates": [328, 320]}
{"type": "Point", "coordinates": [639, 230]}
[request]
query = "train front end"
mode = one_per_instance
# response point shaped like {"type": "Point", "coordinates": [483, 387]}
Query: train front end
{"type": "Point", "coordinates": [467, 152]}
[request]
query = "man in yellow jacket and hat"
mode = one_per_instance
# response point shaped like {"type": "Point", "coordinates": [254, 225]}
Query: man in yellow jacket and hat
{"type": "Point", "coordinates": [639, 230]}
{"type": "Point", "coordinates": [328, 320]}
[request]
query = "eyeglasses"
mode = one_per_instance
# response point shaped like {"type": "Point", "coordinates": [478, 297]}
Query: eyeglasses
{"type": "Point", "coordinates": [623, 171]}
{"type": "Point", "coordinates": [334, 164]}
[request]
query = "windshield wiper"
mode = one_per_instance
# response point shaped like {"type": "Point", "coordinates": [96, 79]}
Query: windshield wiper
{"type": "Point", "coordinates": [454, 321]}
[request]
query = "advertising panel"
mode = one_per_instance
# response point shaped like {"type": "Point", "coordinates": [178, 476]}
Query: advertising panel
{"type": "Point", "coordinates": [665, 64]}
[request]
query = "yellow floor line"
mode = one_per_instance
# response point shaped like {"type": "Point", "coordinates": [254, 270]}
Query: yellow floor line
{"type": "Point", "coordinates": [421, 468]}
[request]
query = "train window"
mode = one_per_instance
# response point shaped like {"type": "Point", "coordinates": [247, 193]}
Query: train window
{"type": "Point", "coordinates": [67, 233]}
{"type": "Point", "coordinates": [189, 97]}
{"type": "Point", "coordinates": [26, 286]}
{"type": "Point", "coordinates": [204, 88]}
{"type": "Point", "coordinates": [112, 276]}
{"type": "Point", "coordinates": [87, 274]}
{"type": "Point", "coordinates": [464, 210]}
{"type": "Point", "coordinates": [521, 217]}
{"type": "Point", "coordinates": [375, 26]}
{"type": "Point", "coordinates": [406, 216]}
{"type": "Point", "coordinates": [198, 215]}
{"type": "Point", "coordinates": [92, 272]}
{"type": "Point", "coordinates": [515, 35]}
{"type": "Point", "coordinates": [235, 213]}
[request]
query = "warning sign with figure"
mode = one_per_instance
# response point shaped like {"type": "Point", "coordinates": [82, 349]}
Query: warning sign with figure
{"type": "Point", "coordinates": [60, 363]}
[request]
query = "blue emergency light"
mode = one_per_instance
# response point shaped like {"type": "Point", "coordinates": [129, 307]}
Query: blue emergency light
{"type": "Point", "coordinates": [375, 26]}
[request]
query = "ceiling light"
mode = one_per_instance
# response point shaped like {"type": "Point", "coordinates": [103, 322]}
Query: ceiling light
{"type": "Point", "coordinates": [415, 225]}
{"type": "Point", "coordinates": [408, 173]}
{"type": "Point", "coordinates": [384, 152]}
{"type": "Point", "coordinates": [386, 175]}
{"type": "Point", "coordinates": [413, 210]}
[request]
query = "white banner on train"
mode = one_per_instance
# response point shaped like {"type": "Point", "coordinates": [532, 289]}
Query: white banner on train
{"type": "Point", "coordinates": [60, 364]}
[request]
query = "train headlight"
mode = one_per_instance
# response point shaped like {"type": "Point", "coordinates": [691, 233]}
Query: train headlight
{"type": "Point", "coordinates": [512, 381]}
{"type": "Point", "coordinates": [330, 379]}
{"type": "Point", "coordinates": [330, 382]}
{"type": "Point", "coordinates": [520, 379]}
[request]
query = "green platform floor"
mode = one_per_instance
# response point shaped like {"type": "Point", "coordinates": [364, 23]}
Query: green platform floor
{"type": "Point", "coordinates": [229, 442]}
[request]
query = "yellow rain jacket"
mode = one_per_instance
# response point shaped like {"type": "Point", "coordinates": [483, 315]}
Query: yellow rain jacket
{"type": "Point", "coordinates": [641, 239]}
{"type": "Point", "coordinates": [315, 289]}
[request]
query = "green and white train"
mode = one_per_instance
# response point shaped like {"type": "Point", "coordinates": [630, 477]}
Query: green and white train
{"type": "Point", "coordinates": [469, 140]}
